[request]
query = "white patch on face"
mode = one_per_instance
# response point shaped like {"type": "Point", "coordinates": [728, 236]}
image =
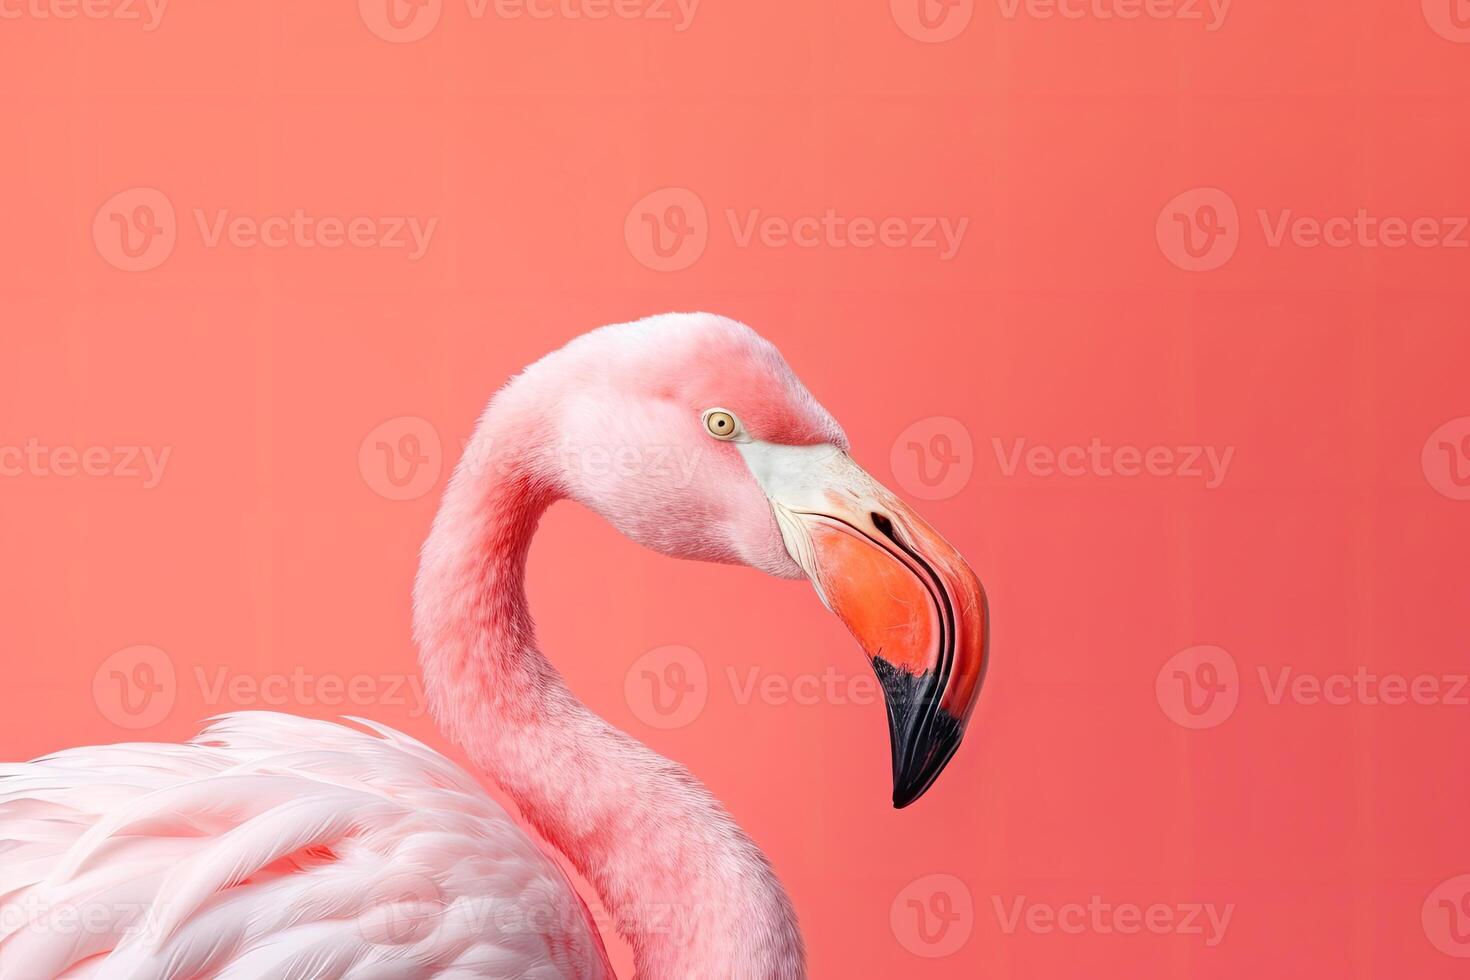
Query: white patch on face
{"type": "Point", "coordinates": [791, 473]}
{"type": "Point", "coordinates": [798, 479]}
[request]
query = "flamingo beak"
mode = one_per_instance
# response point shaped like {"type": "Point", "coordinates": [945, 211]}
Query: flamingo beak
{"type": "Point", "coordinates": [904, 593]}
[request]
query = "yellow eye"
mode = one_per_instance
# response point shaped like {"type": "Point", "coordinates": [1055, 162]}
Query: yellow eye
{"type": "Point", "coordinates": [721, 425]}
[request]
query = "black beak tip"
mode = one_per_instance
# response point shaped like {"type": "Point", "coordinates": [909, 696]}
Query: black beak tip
{"type": "Point", "coordinates": [923, 736]}
{"type": "Point", "coordinates": [928, 761]}
{"type": "Point", "coordinates": [902, 797]}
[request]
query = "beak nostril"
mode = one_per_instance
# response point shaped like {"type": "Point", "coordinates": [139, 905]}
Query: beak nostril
{"type": "Point", "coordinates": [883, 524]}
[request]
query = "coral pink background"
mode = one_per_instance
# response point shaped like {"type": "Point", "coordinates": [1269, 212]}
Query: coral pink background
{"type": "Point", "coordinates": [1076, 148]}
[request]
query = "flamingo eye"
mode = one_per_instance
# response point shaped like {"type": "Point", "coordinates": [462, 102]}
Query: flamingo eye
{"type": "Point", "coordinates": [720, 424]}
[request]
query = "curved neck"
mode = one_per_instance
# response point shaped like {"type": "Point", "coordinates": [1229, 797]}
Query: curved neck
{"type": "Point", "coordinates": [685, 886]}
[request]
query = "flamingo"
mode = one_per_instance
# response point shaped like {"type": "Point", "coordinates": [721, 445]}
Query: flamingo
{"type": "Point", "coordinates": [278, 846]}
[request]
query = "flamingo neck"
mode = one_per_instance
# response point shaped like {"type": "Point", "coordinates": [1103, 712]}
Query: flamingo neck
{"type": "Point", "coordinates": [685, 886]}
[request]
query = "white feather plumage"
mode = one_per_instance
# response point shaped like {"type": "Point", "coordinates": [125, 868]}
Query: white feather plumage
{"type": "Point", "coordinates": [242, 855]}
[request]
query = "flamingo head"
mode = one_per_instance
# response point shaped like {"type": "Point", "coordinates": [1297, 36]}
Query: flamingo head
{"type": "Point", "coordinates": [691, 435]}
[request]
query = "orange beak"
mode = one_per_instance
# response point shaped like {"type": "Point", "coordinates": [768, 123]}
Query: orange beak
{"type": "Point", "coordinates": [909, 599]}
